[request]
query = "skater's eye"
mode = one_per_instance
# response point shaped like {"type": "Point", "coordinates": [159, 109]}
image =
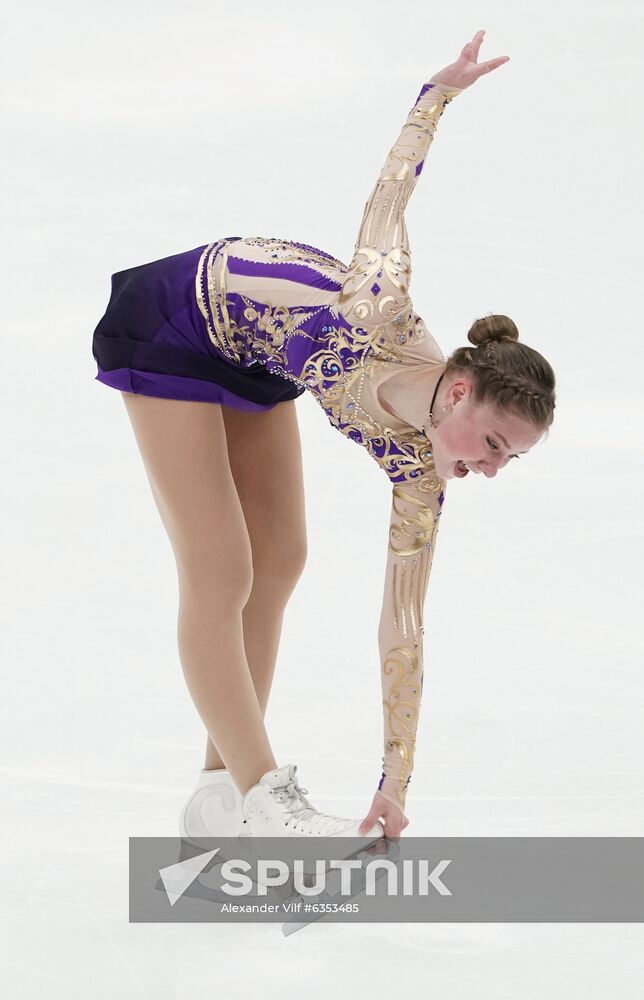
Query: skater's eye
{"type": "Point", "coordinates": [495, 447]}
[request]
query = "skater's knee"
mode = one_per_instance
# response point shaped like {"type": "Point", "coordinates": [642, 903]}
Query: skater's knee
{"type": "Point", "coordinates": [278, 564]}
{"type": "Point", "coordinates": [221, 573]}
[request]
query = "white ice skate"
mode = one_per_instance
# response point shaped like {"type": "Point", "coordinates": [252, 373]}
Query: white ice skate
{"type": "Point", "coordinates": [213, 808]}
{"type": "Point", "coordinates": [277, 807]}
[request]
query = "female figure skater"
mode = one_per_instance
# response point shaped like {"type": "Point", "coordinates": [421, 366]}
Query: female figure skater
{"type": "Point", "coordinates": [245, 324]}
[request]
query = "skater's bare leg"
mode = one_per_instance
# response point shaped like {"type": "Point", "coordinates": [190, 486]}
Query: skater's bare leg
{"type": "Point", "coordinates": [265, 454]}
{"type": "Point", "coordinates": [183, 446]}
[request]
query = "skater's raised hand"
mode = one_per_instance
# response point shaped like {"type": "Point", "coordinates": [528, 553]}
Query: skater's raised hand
{"type": "Point", "coordinates": [388, 814]}
{"type": "Point", "coordinates": [466, 69]}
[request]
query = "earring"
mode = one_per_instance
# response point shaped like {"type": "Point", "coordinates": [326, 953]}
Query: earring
{"type": "Point", "coordinates": [431, 417]}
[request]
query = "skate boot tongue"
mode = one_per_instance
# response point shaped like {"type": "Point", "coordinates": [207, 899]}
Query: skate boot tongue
{"type": "Point", "coordinates": [280, 777]}
{"type": "Point", "coordinates": [284, 786]}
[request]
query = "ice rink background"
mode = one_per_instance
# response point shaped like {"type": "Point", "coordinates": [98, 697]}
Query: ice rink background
{"type": "Point", "coordinates": [138, 130]}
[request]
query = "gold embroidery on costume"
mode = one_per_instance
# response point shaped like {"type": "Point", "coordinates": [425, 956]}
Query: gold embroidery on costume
{"type": "Point", "coordinates": [277, 322]}
{"type": "Point", "coordinates": [210, 282]}
{"type": "Point", "coordinates": [416, 528]}
{"type": "Point", "coordinates": [287, 251]}
{"type": "Point", "coordinates": [368, 322]}
{"type": "Point", "coordinates": [412, 539]}
{"type": "Point", "coordinates": [401, 714]}
{"type": "Point", "coordinates": [382, 248]}
{"type": "Point", "coordinates": [394, 598]}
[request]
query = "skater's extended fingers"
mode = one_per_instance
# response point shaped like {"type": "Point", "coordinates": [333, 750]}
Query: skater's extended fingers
{"type": "Point", "coordinates": [382, 811]}
{"type": "Point", "coordinates": [369, 821]}
{"type": "Point", "coordinates": [491, 64]}
{"type": "Point", "coordinates": [377, 815]}
{"type": "Point", "coordinates": [470, 51]}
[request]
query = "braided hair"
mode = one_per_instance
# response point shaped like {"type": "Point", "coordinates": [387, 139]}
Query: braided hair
{"type": "Point", "coordinates": [509, 374]}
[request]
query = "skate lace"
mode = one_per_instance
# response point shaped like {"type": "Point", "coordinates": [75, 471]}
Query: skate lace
{"type": "Point", "coordinates": [293, 797]}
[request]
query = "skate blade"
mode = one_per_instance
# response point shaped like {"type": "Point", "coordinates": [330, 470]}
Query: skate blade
{"type": "Point", "coordinates": [382, 847]}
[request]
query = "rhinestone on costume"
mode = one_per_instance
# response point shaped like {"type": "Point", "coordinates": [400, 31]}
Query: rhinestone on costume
{"type": "Point", "coordinates": [375, 288]}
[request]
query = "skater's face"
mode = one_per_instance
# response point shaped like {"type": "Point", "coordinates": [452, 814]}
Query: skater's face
{"type": "Point", "coordinates": [481, 436]}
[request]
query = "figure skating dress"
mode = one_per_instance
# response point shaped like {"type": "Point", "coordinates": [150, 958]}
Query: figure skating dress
{"type": "Point", "coordinates": [251, 322]}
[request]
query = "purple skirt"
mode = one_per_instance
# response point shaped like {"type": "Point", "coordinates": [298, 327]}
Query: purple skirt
{"type": "Point", "coordinates": [153, 340]}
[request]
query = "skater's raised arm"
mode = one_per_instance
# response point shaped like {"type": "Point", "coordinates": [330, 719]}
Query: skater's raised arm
{"type": "Point", "coordinates": [376, 286]}
{"type": "Point", "coordinates": [375, 289]}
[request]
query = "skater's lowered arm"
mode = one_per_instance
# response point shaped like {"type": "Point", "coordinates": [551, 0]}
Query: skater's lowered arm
{"type": "Point", "coordinates": [415, 515]}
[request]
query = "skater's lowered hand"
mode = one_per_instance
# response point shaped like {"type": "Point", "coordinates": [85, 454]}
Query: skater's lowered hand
{"type": "Point", "coordinates": [393, 819]}
{"type": "Point", "coordinates": [466, 69]}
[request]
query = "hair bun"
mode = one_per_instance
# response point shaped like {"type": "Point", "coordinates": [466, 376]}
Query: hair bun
{"type": "Point", "coordinates": [492, 327]}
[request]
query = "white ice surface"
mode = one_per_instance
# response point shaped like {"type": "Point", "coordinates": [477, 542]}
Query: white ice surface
{"type": "Point", "coordinates": [137, 130]}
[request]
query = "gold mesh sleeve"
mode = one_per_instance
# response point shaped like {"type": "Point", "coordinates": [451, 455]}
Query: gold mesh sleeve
{"type": "Point", "coordinates": [375, 289]}
{"type": "Point", "coordinates": [415, 516]}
